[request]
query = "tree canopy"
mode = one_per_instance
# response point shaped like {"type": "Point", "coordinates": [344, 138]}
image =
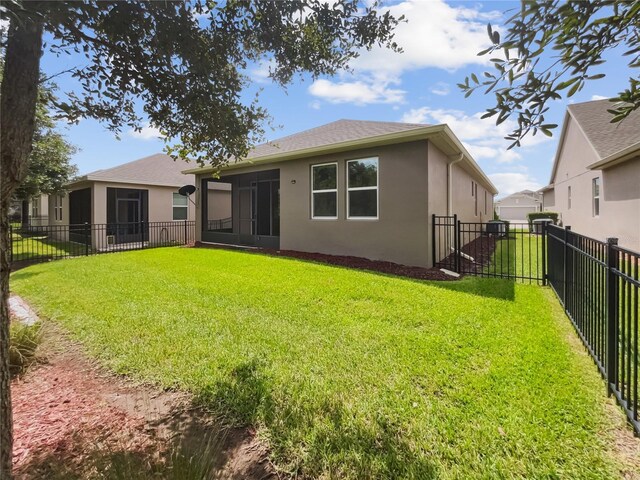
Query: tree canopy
{"type": "Point", "coordinates": [49, 167]}
{"type": "Point", "coordinates": [552, 48]}
{"type": "Point", "coordinates": [180, 64]}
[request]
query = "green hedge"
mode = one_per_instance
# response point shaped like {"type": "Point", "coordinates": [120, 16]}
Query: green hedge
{"type": "Point", "coordinates": [535, 215]}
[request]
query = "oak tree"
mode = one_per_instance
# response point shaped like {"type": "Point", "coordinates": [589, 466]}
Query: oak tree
{"type": "Point", "coordinates": [179, 64]}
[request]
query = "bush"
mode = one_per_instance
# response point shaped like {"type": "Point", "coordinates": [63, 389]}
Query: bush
{"type": "Point", "coordinates": [24, 340]}
{"type": "Point", "coordinates": [535, 215]}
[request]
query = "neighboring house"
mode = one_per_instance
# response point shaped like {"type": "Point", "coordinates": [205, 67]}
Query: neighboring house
{"type": "Point", "coordinates": [125, 197]}
{"type": "Point", "coordinates": [516, 206]}
{"type": "Point", "coordinates": [39, 210]}
{"type": "Point", "coordinates": [359, 188]}
{"type": "Point", "coordinates": [595, 181]}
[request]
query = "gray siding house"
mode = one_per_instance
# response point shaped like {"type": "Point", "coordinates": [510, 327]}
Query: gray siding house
{"type": "Point", "coordinates": [515, 207]}
{"type": "Point", "coordinates": [358, 188]}
{"type": "Point", "coordinates": [595, 181]}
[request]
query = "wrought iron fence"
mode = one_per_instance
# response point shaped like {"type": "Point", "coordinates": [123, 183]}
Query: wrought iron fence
{"type": "Point", "coordinates": [490, 249]}
{"type": "Point", "coordinates": [34, 243]}
{"type": "Point", "coordinates": [598, 285]}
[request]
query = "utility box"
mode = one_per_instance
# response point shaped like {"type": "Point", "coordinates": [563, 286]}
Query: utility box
{"type": "Point", "coordinates": [538, 223]}
{"type": "Point", "coordinates": [496, 227]}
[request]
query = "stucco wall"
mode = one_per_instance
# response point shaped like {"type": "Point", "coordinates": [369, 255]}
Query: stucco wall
{"type": "Point", "coordinates": [619, 193]}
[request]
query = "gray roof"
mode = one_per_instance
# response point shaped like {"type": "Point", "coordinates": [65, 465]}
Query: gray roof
{"type": "Point", "coordinates": [329, 134]}
{"type": "Point", "coordinates": [158, 169]}
{"type": "Point", "coordinates": [607, 138]}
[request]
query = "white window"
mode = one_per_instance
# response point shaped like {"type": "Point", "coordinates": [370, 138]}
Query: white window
{"type": "Point", "coordinates": [596, 196]}
{"type": "Point", "coordinates": [180, 207]}
{"type": "Point", "coordinates": [362, 189]}
{"type": "Point", "coordinates": [57, 207]}
{"type": "Point", "coordinates": [324, 191]}
{"type": "Point", "coordinates": [35, 207]}
{"type": "Point", "coordinates": [568, 198]}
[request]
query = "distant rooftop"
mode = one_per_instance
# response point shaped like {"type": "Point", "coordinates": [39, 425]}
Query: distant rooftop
{"type": "Point", "coordinates": [158, 169]}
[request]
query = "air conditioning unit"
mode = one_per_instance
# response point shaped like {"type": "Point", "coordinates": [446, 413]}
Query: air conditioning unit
{"type": "Point", "coordinates": [111, 239]}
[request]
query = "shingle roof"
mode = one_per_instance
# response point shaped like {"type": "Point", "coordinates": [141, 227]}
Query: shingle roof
{"type": "Point", "coordinates": [329, 134]}
{"type": "Point", "coordinates": [607, 138]}
{"type": "Point", "coordinates": [158, 169]}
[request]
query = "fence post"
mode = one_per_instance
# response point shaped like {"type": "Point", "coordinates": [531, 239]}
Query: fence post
{"type": "Point", "coordinates": [567, 229]}
{"type": "Point", "coordinates": [544, 253]}
{"type": "Point", "coordinates": [612, 314]}
{"type": "Point", "coordinates": [433, 238]}
{"type": "Point", "coordinates": [87, 239]}
{"type": "Point", "coordinates": [10, 243]}
{"type": "Point", "coordinates": [456, 242]}
{"type": "Point", "coordinates": [141, 234]}
{"type": "Point", "coordinates": [185, 231]}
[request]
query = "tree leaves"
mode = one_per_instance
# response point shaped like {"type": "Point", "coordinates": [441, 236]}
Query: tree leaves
{"type": "Point", "coordinates": [575, 36]}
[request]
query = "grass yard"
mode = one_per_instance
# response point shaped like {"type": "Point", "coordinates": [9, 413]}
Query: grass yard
{"type": "Point", "coordinates": [346, 374]}
{"type": "Point", "coordinates": [519, 256]}
{"type": "Point", "coordinates": [27, 247]}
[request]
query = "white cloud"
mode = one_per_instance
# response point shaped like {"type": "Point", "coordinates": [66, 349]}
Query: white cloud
{"type": "Point", "coordinates": [512, 182]}
{"type": "Point", "coordinates": [441, 89]}
{"type": "Point", "coordinates": [315, 105]}
{"type": "Point", "coordinates": [359, 92]}
{"type": "Point", "coordinates": [146, 133]}
{"type": "Point", "coordinates": [435, 34]}
{"type": "Point", "coordinates": [482, 137]}
{"type": "Point", "coordinates": [598, 97]}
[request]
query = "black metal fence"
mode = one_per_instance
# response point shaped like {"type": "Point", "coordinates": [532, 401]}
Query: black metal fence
{"type": "Point", "coordinates": [492, 249]}
{"type": "Point", "coordinates": [34, 243]}
{"type": "Point", "coordinates": [598, 283]}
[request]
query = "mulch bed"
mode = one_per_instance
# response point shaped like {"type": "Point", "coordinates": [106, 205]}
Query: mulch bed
{"type": "Point", "coordinates": [360, 263]}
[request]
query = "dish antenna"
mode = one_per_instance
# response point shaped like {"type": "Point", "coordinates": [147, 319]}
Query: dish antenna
{"type": "Point", "coordinates": [187, 190]}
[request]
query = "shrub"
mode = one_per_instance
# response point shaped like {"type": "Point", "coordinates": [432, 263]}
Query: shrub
{"type": "Point", "coordinates": [535, 215]}
{"type": "Point", "coordinates": [24, 340]}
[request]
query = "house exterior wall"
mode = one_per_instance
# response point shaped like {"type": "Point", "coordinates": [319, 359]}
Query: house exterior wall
{"type": "Point", "coordinates": [619, 192]}
{"type": "Point", "coordinates": [40, 203]}
{"type": "Point", "coordinates": [412, 185]}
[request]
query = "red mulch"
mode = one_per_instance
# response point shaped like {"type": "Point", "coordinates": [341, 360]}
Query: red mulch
{"type": "Point", "coordinates": [350, 262]}
{"type": "Point", "coordinates": [58, 412]}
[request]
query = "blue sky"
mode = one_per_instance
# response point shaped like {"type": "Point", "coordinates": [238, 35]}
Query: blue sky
{"type": "Point", "coordinates": [440, 42]}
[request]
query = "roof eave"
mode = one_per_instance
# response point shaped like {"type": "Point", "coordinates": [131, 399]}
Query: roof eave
{"type": "Point", "coordinates": [621, 156]}
{"type": "Point", "coordinates": [386, 139]}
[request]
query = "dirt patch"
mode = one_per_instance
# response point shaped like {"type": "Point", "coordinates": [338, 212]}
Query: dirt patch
{"type": "Point", "coordinates": [72, 419]}
{"type": "Point", "coordinates": [359, 263]}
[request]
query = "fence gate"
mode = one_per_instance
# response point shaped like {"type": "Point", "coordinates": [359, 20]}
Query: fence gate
{"type": "Point", "coordinates": [515, 251]}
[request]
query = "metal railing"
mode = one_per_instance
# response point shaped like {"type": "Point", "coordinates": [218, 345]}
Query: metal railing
{"type": "Point", "coordinates": [598, 285]}
{"type": "Point", "coordinates": [49, 242]}
{"type": "Point", "coordinates": [220, 224]}
{"type": "Point", "coordinates": [490, 249]}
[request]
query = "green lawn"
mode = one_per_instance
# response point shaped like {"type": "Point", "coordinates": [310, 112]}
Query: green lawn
{"type": "Point", "coordinates": [27, 247]}
{"type": "Point", "coordinates": [346, 374]}
{"type": "Point", "coordinates": [519, 256]}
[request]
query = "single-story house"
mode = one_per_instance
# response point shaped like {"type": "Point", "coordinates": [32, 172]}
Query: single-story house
{"type": "Point", "coordinates": [357, 188]}
{"type": "Point", "coordinates": [515, 207]}
{"type": "Point", "coordinates": [595, 181]}
{"type": "Point", "coordinates": [121, 200]}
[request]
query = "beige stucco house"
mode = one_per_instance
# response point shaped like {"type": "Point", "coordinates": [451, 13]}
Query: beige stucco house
{"type": "Point", "coordinates": [595, 181]}
{"type": "Point", "coordinates": [515, 207]}
{"type": "Point", "coordinates": [119, 202]}
{"type": "Point", "coordinates": [358, 188]}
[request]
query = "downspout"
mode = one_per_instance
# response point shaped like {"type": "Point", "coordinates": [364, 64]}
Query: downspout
{"type": "Point", "coordinates": [450, 183]}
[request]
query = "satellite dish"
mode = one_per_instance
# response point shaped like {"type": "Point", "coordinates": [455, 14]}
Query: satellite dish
{"type": "Point", "coordinates": [186, 190]}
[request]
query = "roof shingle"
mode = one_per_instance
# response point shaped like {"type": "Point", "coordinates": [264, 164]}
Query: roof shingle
{"type": "Point", "coordinates": [158, 169]}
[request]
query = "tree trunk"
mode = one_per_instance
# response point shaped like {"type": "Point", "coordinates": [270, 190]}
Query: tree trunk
{"type": "Point", "coordinates": [24, 213]}
{"type": "Point", "coordinates": [18, 95]}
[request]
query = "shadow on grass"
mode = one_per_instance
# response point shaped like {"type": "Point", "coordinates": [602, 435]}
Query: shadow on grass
{"type": "Point", "coordinates": [498, 288]}
{"type": "Point", "coordinates": [335, 442]}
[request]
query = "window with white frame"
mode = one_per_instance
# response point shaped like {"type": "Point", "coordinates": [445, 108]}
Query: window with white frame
{"type": "Point", "coordinates": [362, 188]}
{"type": "Point", "coordinates": [596, 196]}
{"type": "Point", "coordinates": [57, 207]}
{"type": "Point", "coordinates": [180, 207]}
{"type": "Point", "coordinates": [569, 198]}
{"type": "Point", "coordinates": [35, 207]}
{"type": "Point", "coordinates": [324, 191]}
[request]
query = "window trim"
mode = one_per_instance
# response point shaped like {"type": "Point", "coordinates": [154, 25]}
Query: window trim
{"type": "Point", "coordinates": [355, 189]}
{"type": "Point", "coordinates": [328, 190]}
{"type": "Point", "coordinates": [594, 197]}
{"type": "Point", "coordinates": [57, 208]}
{"type": "Point", "coordinates": [173, 206]}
